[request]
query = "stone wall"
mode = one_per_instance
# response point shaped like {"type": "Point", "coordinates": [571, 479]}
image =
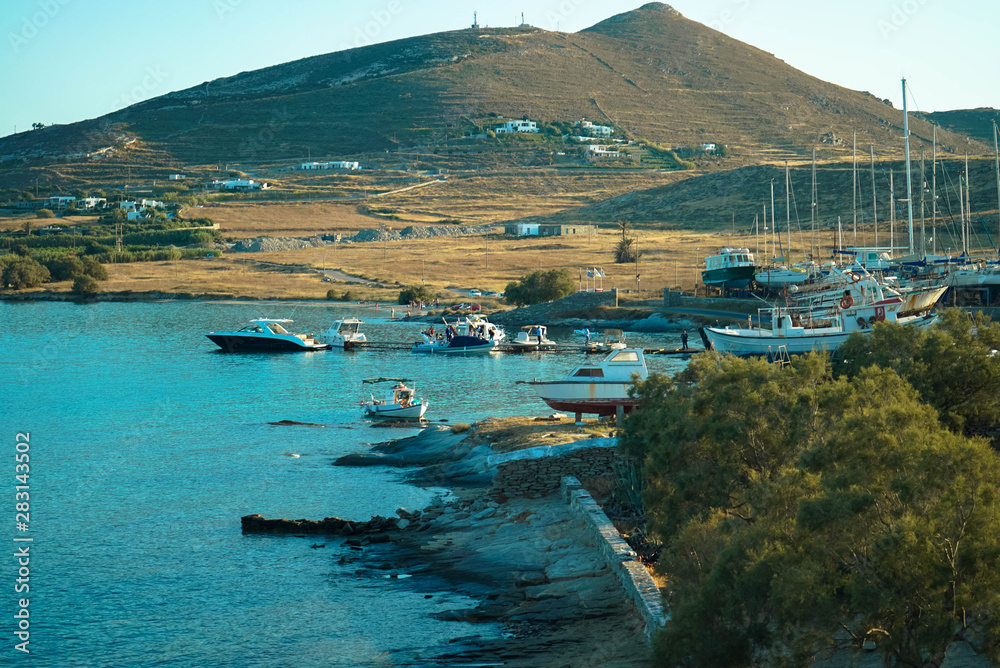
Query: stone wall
{"type": "Point", "coordinates": [537, 472]}
{"type": "Point", "coordinates": [635, 579]}
{"type": "Point", "coordinates": [541, 314]}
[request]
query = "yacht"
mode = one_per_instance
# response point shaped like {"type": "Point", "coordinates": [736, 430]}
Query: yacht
{"type": "Point", "coordinates": [265, 334]}
{"type": "Point", "coordinates": [345, 331]}
{"type": "Point", "coordinates": [532, 337]}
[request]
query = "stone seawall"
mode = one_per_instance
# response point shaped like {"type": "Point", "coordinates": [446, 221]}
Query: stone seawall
{"type": "Point", "coordinates": [635, 579]}
{"type": "Point", "coordinates": [537, 472]}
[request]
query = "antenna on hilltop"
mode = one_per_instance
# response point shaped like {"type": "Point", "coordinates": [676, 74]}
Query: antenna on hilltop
{"type": "Point", "coordinates": [475, 21]}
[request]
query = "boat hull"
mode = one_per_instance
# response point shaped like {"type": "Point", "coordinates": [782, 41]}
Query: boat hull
{"type": "Point", "coordinates": [233, 343]}
{"type": "Point", "coordinates": [729, 278]}
{"type": "Point", "coordinates": [763, 342]}
{"type": "Point", "coordinates": [579, 397]}
{"type": "Point", "coordinates": [459, 344]}
{"type": "Point", "coordinates": [411, 412]}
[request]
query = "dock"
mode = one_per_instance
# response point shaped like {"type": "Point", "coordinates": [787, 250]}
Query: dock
{"type": "Point", "coordinates": [517, 350]}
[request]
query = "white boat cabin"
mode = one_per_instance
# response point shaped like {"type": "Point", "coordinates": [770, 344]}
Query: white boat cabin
{"type": "Point", "coordinates": [729, 257]}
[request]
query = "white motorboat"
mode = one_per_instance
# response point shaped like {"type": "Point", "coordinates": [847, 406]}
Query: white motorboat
{"type": "Point", "coordinates": [399, 400]}
{"type": "Point", "coordinates": [532, 337]}
{"type": "Point", "coordinates": [614, 339]}
{"type": "Point", "coordinates": [474, 334]}
{"type": "Point", "coordinates": [596, 388]}
{"type": "Point", "coordinates": [782, 277]}
{"type": "Point", "coordinates": [344, 332]}
{"type": "Point", "coordinates": [265, 334]}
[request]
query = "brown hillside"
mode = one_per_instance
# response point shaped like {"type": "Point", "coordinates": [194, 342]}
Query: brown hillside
{"type": "Point", "coordinates": [651, 71]}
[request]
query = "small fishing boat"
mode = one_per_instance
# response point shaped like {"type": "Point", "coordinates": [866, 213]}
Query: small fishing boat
{"type": "Point", "coordinates": [532, 337]}
{"type": "Point", "coordinates": [265, 334]}
{"type": "Point", "coordinates": [399, 401]}
{"type": "Point", "coordinates": [729, 268]}
{"type": "Point", "coordinates": [614, 339]}
{"type": "Point", "coordinates": [474, 334]}
{"type": "Point", "coordinates": [596, 388]}
{"type": "Point", "coordinates": [344, 331]}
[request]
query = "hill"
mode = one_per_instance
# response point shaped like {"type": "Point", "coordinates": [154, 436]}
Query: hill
{"type": "Point", "coordinates": [976, 123]}
{"type": "Point", "coordinates": [651, 72]}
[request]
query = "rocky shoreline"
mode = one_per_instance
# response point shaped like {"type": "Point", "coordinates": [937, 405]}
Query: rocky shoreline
{"type": "Point", "coordinates": [529, 561]}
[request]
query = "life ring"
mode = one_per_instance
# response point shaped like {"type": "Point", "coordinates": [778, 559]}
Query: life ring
{"type": "Point", "coordinates": [847, 302]}
{"type": "Point", "coordinates": [855, 277]}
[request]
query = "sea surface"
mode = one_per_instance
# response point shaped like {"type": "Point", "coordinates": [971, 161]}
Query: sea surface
{"type": "Point", "coordinates": [147, 445]}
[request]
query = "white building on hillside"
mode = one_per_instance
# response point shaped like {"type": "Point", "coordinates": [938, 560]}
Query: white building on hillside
{"type": "Point", "coordinates": [336, 164]}
{"type": "Point", "coordinates": [241, 185]}
{"type": "Point", "coordinates": [594, 130]}
{"type": "Point", "coordinates": [510, 127]}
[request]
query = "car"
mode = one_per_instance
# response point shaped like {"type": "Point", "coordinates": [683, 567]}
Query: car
{"type": "Point", "coordinates": [475, 293]}
{"type": "Point", "coordinates": [490, 293]}
{"type": "Point", "coordinates": [459, 307]}
{"type": "Point", "coordinates": [475, 307]}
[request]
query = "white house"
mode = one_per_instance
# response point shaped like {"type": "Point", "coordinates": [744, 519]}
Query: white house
{"type": "Point", "coordinates": [510, 127]}
{"type": "Point", "coordinates": [242, 185]}
{"type": "Point", "coordinates": [521, 229]}
{"type": "Point", "coordinates": [60, 202]}
{"type": "Point", "coordinates": [135, 215]}
{"type": "Point", "coordinates": [127, 206]}
{"type": "Point", "coordinates": [91, 202]}
{"type": "Point", "coordinates": [707, 148]}
{"type": "Point", "coordinates": [594, 130]}
{"type": "Point", "coordinates": [597, 151]}
{"type": "Point", "coordinates": [176, 177]}
{"type": "Point", "coordinates": [336, 164]}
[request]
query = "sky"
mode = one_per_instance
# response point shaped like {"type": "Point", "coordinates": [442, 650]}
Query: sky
{"type": "Point", "coordinates": [68, 60]}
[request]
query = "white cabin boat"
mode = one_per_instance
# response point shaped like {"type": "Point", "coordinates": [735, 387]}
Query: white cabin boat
{"type": "Point", "coordinates": [533, 337]}
{"type": "Point", "coordinates": [399, 401]}
{"type": "Point", "coordinates": [265, 334]}
{"type": "Point", "coordinates": [345, 331]}
{"type": "Point", "coordinates": [596, 388]}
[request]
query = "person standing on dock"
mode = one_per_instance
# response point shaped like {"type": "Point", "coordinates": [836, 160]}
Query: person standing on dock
{"type": "Point", "coordinates": [586, 336]}
{"type": "Point", "coordinates": [684, 339]}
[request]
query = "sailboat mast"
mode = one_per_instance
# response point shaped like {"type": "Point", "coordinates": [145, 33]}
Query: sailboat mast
{"type": "Point", "coordinates": [788, 215]}
{"type": "Point", "coordinates": [854, 159]}
{"type": "Point", "coordinates": [923, 189]}
{"type": "Point", "coordinates": [934, 190]}
{"type": "Point", "coordinates": [961, 211]}
{"type": "Point", "coordinates": [892, 213]}
{"type": "Point", "coordinates": [874, 197]}
{"type": "Point", "coordinates": [968, 203]}
{"type": "Point", "coordinates": [774, 225]}
{"type": "Point", "coordinates": [996, 161]}
{"type": "Point", "coordinates": [812, 237]}
{"type": "Point", "coordinates": [909, 180]}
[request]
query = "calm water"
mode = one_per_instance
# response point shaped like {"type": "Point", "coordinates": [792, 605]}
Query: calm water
{"type": "Point", "coordinates": [147, 446]}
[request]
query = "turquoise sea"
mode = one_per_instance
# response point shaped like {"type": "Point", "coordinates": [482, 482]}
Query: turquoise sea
{"type": "Point", "coordinates": [147, 445]}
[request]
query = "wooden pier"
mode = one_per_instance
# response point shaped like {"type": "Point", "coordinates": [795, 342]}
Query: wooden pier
{"type": "Point", "coordinates": [518, 350]}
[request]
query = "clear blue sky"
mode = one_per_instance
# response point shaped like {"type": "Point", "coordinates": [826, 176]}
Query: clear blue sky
{"type": "Point", "coordinates": [68, 60]}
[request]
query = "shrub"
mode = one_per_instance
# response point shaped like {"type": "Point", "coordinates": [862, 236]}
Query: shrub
{"type": "Point", "coordinates": [460, 427]}
{"type": "Point", "coordinates": [85, 286]}
{"type": "Point", "coordinates": [415, 293]}
{"type": "Point", "coordinates": [24, 273]}
{"type": "Point", "coordinates": [94, 269]}
{"type": "Point", "coordinates": [331, 295]}
{"type": "Point", "coordinates": [65, 268]}
{"type": "Point", "coordinates": [44, 213]}
{"type": "Point", "coordinates": [540, 286]}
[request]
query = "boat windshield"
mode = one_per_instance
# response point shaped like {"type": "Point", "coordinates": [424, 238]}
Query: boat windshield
{"type": "Point", "coordinates": [252, 328]}
{"type": "Point", "coordinates": [590, 371]}
{"type": "Point", "coordinates": [625, 356]}
{"type": "Point", "coordinates": [276, 328]}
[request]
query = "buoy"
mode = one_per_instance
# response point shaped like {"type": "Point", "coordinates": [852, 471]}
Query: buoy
{"type": "Point", "coordinates": [855, 276]}
{"type": "Point", "coordinates": [847, 302]}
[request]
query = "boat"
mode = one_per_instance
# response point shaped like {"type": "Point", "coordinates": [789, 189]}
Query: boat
{"type": "Point", "coordinates": [730, 268]}
{"type": "Point", "coordinates": [399, 400]}
{"type": "Point", "coordinates": [345, 331]}
{"type": "Point", "coordinates": [795, 330]}
{"type": "Point", "coordinates": [532, 337]}
{"type": "Point", "coordinates": [780, 277]}
{"type": "Point", "coordinates": [599, 388]}
{"type": "Point", "coordinates": [265, 334]}
{"type": "Point", "coordinates": [614, 339]}
{"type": "Point", "coordinates": [474, 334]}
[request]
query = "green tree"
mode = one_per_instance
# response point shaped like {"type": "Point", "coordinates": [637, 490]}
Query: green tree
{"type": "Point", "coordinates": [625, 248]}
{"type": "Point", "coordinates": [24, 273]}
{"type": "Point", "coordinates": [44, 213]}
{"type": "Point", "coordinates": [85, 286]}
{"type": "Point", "coordinates": [540, 286]}
{"type": "Point", "coordinates": [94, 269]}
{"type": "Point", "coordinates": [952, 365]}
{"type": "Point", "coordinates": [415, 293]}
{"type": "Point", "coordinates": [65, 268]}
{"type": "Point", "coordinates": [794, 505]}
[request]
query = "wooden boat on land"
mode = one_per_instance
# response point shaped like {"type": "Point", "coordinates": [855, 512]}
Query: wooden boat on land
{"type": "Point", "coordinates": [599, 388]}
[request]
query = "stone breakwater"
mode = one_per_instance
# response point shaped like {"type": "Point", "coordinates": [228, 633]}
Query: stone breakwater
{"type": "Point", "coordinates": [553, 566]}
